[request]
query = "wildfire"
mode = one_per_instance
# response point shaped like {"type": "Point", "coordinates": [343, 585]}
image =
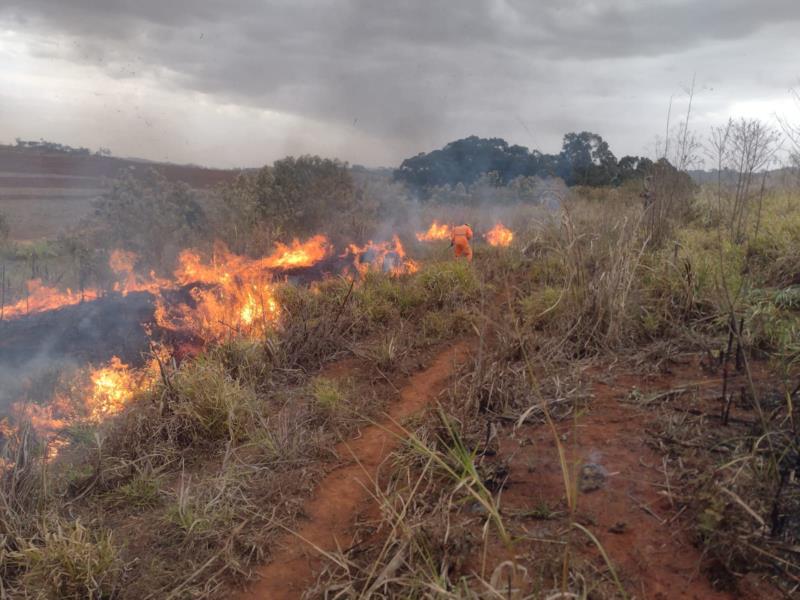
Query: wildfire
{"type": "Point", "coordinates": [112, 388]}
{"type": "Point", "coordinates": [388, 257]}
{"type": "Point", "coordinates": [232, 293]}
{"type": "Point", "coordinates": [39, 298]}
{"type": "Point", "coordinates": [499, 235]}
{"type": "Point", "coordinates": [123, 263]}
{"type": "Point", "coordinates": [298, 255]}
{"type": "Point", "coordinates": [435, 232]}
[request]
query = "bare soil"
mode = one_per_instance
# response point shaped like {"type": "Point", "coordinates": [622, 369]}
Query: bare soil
{"type": "Point", "coordinates": [632, 512]}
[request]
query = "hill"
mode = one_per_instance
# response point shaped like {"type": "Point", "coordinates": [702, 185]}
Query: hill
{"type": "Point", "coordinates": [45, 191]}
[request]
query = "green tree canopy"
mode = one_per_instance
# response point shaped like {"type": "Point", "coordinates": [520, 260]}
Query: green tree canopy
{"type": "Point", "coordinates": [585, 159]}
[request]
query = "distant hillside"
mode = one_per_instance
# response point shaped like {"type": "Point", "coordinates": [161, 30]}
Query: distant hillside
{"type": "Point", "coordinates": [27, 166]}
{"type": "Point", "coordinates": [45, 191]}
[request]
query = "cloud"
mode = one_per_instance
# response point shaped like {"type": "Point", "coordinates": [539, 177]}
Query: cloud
{"type": "Point", "coordinates": [382, 80]}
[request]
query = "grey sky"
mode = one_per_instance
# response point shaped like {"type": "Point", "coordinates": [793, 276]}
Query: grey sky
{"type": "Point", "coordinates": [243, 82]}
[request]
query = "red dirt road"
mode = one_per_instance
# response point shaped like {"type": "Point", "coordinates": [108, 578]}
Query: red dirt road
{"type": "Point", "coordinates": [343, 493]}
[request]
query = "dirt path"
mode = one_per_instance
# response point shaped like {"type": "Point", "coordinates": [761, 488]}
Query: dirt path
{"type": "Point", "coordinates": [342, 495]}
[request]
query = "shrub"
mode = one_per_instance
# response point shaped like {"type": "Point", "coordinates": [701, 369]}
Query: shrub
{"type": "Point", "coordinates": [70, 562]}
{"type": "Point", "coordinates": [448, 284]}
{"type": "Point", "coordinates": [327, 393]}
{"type": "Point", "coordinates": [212, 405]}
{"type": "Point", "coordinates": [542, 305]}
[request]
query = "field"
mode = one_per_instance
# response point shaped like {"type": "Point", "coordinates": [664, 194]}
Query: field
{"type": "Point", "coordinates": [600, 407]}
{"type": "Point", "coordinates": [46, 194]}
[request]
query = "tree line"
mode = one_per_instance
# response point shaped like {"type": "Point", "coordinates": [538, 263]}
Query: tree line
{"type": "Point", "coordinates": [585, 159]}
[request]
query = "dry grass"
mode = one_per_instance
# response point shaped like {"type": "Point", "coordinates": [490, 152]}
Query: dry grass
{"type": "Point", "coordinates": [743, 504]}
{"type": "Point", "coordinates": [218, 455]}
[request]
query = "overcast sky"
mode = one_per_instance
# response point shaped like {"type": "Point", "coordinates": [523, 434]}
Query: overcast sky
{"type": "Point", "coordinates": [243, 82]}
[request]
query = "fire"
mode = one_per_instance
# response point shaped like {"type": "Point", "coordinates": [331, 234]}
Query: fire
{"type": "Point", "coordinates": [234, 307]}
{"type": "Point", "coordinates": [298, 255]}
{"type": "Point", "coordinates": [224, 265]}
{"type": "Point", "coordinates": [113, 387]}
{"type": "Point", "coordinates": [435, 232]}
{"type": "Point", "coordinates": [232, 293]}
{"type": "Point", "coordinates": [123, 263]}
{"type": "Point", "coordinates": [499, 235]}
{"type": "Point", "coordinates": [387, 257]}
{"type": "Point", "coordinates": [39, 298]}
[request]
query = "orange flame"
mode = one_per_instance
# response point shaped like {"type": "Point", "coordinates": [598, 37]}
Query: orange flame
{"type": "Point", "coordinates": [499, 235]}
{"type": "Point", "coordinates": [435, 232]}
{"type": "Point", "coordinates": [123, 263]}
{"type": "Point", "coordinates": [383, 256]}
{"type": "Point", "coordinates": [113, 387]}
{"type": "Point", "coordinates": [298, 255]}
{"type": "Point", "coordinates": [40, 297]}
{"type": "Point", "coordinates": [233, 294]}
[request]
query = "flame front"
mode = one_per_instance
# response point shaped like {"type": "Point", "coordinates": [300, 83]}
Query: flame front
{"type": "Point", "coordinates": [113, 387]}
{"type": "Point", "coordinates": [499, 235]}
{"type": "Point", "coordinates": [123, 264]}
{"type": "Point", "coordinates": [232, 293]}
{"type": "Point", "coordinates": [39, 298]}
{"type": "Point", "coordinates": [387, 257]}
{"type": "Point", "coordinates": [435, 232]}
{"type": "Point", "coordinates": [298, 255]}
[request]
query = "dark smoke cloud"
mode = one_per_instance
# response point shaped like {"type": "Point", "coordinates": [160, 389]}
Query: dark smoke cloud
{"type": "Point", "coordinates": [420, 73]}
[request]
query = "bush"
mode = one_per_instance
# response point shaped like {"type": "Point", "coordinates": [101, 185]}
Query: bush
{"type": "Point", "coordinates": [198, 405]}
{"type": "Point", "coordinates": [327, 393]}
{"type": "Point", "coordinates": [449, 284]}
{"type": "Point", "coordinates": [148, 216]}
{"type": "Point", "coordinates": [542, 305]}
{"type": "Point", "coordinates": [70, 562]}
{"type": "Point", "coordinates": [211, 404]}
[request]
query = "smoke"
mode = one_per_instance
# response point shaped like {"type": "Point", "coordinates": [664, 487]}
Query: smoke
{"type": "Point", "coordinates": [39, 351]}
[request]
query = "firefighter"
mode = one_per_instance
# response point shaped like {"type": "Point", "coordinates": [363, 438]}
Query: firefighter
{"type": "Point", "coordinates": [459, 241]}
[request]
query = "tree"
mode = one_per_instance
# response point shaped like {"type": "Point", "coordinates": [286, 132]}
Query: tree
{"type": "Point", "coordinates": [633, 167]}
{"type": "Point", "coordinates": [302, 193]}
{"type": "Point", "coordinates": [745, 148]}
{"type": "Point", "coordinates": [586, 159]}
{"type": "Point", "coordinates": [237, 217]}
{"type": "Point", "coordinates": [465, 161]}
{"type": "Point", "coordinates": [148, 214]}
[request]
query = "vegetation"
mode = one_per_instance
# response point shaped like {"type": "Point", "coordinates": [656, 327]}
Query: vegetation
{"type": "Point", "coordinates": [5, 229]}
{"type": "Point", "coordinates": [659, 329]}
{"type": "Point", "coordinates": [44, 145]}
{"type": "Point", "coordinates": [585, 159]}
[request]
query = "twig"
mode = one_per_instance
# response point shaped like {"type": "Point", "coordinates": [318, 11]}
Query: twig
{"type": "Point", "coordinates": [736, 498]}
{"type": "Point", "coordinates": [647, 509]}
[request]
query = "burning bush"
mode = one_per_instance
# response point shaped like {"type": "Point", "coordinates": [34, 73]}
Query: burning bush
{"type": "Point", "coordinates": [198, 405]}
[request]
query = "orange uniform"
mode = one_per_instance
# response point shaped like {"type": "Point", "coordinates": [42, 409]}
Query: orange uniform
{"type": "Point", "coordinates": [460, 237]}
